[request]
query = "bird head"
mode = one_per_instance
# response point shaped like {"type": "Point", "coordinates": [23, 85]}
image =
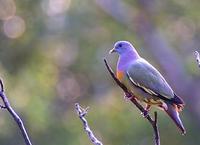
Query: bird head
{"type": "Point", "coordinates": [122, 47]}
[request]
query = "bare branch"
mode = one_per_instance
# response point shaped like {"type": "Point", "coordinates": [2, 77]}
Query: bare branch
{"type": "Point", "coordinates": [132, 98]}
{"type": "Point", "coordinates": [196, 53]}
{"type": "Point", "coordinates": [81, 113]}
{"type": "Point", "coordinates": [16, 117]}
{"type": "Point", "coordinates": [155, 127]}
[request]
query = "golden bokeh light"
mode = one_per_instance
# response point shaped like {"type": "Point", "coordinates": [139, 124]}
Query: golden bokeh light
{"type": "Point", "coordinates": [7, 9]}
{"type": "Point", "coordinates": [14, 27]}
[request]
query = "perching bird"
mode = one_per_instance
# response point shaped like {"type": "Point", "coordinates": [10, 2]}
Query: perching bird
{"type": "Point", "coordinates": [146, 82]}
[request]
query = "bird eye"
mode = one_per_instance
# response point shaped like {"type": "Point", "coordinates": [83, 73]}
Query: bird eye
{"type": "Point", "coordinates": [120, 45]}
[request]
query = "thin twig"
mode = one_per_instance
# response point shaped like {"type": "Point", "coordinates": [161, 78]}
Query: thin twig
{"type": "Point", "coordinates": [196, 53]}
{"type": "Point", "coordinates": [155, 127]}
{"type": "Point", "coordinates": [132, 98]}
{"type": "Point", "coordinates": [81, 113]}
{"type": "Point", "coordinates": [16, 117]}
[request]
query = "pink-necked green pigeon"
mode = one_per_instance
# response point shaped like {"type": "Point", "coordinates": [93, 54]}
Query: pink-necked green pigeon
{"type": "Point", "coordinates": [146, 82]}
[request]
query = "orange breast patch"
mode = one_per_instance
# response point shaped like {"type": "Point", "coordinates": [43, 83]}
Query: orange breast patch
{"type": "Point", "coordinates": [120, 75]}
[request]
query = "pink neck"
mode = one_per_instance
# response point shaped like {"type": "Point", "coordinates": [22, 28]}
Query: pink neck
{"type": "Point", "coordinates": [125, 59]}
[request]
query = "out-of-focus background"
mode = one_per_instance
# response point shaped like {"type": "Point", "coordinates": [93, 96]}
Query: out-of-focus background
{"type": "Point", "coordinates": [51, 56]}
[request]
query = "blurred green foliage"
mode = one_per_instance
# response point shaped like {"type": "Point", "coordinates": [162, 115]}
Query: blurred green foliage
{"type": "Point", "coordinates": [58, 60]}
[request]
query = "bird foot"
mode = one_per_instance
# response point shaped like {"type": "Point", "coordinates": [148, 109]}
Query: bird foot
{"type": "Point", "coordinates": [127, 96]}
{"type": "Point", "coordinates": [145, 113]}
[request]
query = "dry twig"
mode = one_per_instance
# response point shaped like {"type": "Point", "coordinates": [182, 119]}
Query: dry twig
{"type": "Point", "coordinates": [196, 53]}
{"type": "Point", "coordinates": [81, 113]}
{"type": "Point", "coordinates": [130, 95]}
{"type": "Point", "coordinates": [17, 119]}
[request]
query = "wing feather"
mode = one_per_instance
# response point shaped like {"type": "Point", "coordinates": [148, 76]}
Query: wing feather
{"type": "Point", "coordinates": [144, 75]}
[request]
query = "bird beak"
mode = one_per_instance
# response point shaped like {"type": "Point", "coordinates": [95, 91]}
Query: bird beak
{"type": "Point", "coordinates": [112, 50]}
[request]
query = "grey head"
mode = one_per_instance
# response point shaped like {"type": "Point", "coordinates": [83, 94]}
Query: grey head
{"type": "Point", "coordinates": [123, 47]}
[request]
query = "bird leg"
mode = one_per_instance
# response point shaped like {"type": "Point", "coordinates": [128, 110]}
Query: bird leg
{"type": "Point", "coordinates": [146, 111]}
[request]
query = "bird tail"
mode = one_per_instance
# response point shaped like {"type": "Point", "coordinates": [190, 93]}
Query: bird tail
{"type": "Point", "coordinates": [173, 111]}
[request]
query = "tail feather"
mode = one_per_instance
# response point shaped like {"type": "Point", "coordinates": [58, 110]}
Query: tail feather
{"type": "Point", "coordinates": [174, 114]}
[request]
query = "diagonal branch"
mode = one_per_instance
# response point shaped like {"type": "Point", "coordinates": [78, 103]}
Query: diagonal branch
{"type": "Point", "coordinates": [130, 95]}
{"type": "Point", "coordinates": [17, 119]}
{"type": "Point", "coordinates": [196, 53]}
{"type": "Point", "coordinates": [81, 113]}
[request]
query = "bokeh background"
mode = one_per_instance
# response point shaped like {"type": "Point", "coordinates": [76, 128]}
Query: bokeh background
{"type": "Point", "coordinates": [51, 56]}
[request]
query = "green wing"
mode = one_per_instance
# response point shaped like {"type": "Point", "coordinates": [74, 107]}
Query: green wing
{"type": "Point", "coordinates": [144, 75]}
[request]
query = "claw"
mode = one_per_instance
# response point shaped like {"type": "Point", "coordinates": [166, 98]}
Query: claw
{"type": "Point", "coordinates": [127, 96]}
{"type": "Point", "coordinates": [145, 113]}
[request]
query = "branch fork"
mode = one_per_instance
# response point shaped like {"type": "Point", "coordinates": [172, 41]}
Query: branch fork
{"type": "Point", "coordinates": [82, 113]}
